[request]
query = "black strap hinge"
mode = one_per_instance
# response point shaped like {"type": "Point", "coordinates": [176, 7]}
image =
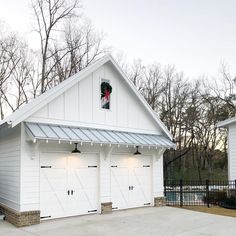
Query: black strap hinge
{"type": "Point", "coordinates": [92, 166]}
{"type": "Point", "coordinates": [46, 166]}
{"type": "Point", "coordinates": [146, 165]}
{"type": "Point", "coordinates": [92, 211]}
{"type": "Point", "coordinates": [45, 217]}
{"type": "Point", "coordinates": [147, 204]}
{"type": "Point", "coordinates": [114, 166]}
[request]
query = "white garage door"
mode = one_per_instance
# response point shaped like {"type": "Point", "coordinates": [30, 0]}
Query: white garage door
{"type": "Point", "coordinates": [130, 181]}
{"type": "Point", "coordinates": [68, 184]}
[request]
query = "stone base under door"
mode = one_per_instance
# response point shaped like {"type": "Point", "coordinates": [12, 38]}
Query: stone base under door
{"type": "Point", "coordinates": [106, 207]}
{"type": "Point", "coordinates": [20, 219]}
{"type": "Point", "coordinates": [159, 201]}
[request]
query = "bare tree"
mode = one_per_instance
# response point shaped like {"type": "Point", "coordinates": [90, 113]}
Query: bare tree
{"type": "Point", "coordinates": [82, 46]}
{"type": "Point", "coordinates": [8, 61]}
{"type": "Point", "coordinates": [190, 110]}
{"type": "Point", "coordinates": [49, 15]}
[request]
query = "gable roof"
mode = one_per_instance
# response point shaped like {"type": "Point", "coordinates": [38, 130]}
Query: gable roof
{"type": "Point", "coordinates": [226, 123]}
{"type": "Point", "coordinates": [36, 104]}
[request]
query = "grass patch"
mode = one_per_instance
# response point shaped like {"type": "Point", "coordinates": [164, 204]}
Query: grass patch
{"type": "Point", "coordinates": [212, 210]}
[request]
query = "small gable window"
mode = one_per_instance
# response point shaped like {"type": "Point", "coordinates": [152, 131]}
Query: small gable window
{"type": "Point", "coordinates": [106, 91]}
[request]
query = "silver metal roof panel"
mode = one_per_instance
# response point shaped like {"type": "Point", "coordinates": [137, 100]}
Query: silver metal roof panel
{"type": "Point", "coordinates": [80, 134]}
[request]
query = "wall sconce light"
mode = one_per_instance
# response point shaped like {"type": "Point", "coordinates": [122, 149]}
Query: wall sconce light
{"type": "Point", "coordinates": [137, 152]}
{"type": "Point", "coordinates": [76, 150]}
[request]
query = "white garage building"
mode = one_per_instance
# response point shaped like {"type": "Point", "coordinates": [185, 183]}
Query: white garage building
{"type": "Point", "coordinates": [89, 145]}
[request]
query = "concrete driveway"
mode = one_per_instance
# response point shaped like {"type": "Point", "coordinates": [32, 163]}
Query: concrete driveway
{"type": "Point", "coordinates": [136, 222]}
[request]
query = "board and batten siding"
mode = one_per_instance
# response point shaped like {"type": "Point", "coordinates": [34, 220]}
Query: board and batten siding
{"type": "Point", "coordinates": [80, 106]}
{"type": "Point", "coordinates": [232, 152]}
{"type": "Point", "coordinates": [10, 167]}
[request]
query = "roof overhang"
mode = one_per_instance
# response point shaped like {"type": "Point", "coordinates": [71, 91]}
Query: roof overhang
{"type": "Point", "coordinates": [39, 131]}
{"type": "Point", "coordinates": [226, 123]}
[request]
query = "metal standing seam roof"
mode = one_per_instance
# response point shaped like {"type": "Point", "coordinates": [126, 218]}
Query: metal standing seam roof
{"type": "Point", "coordinates": [39, 131]}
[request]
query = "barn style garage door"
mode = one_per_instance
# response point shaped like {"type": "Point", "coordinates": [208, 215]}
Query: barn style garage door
{"type": "Point", "coordinates": [130, 181]}
{"type": "Point", "coordinates": [68, 184]}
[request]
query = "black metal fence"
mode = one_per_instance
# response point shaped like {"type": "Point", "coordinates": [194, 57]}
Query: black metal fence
{"type": "Point", "coordinates": [197, 193]}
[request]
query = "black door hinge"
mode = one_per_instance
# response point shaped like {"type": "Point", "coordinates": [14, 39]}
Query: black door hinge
{"type": "Point", "coordinates": [113, 166]}
{"type": "Point", "coordinates": [147, 204]}
{"type": "Point", "coordinates": [46, 166]}
{"type": "Point", "coordinates": [92, 166]}
{"type": "Point", "coordinates": [146, 165]}
{"type": "Point", "coordinates": [114, 208]}
{"type": "Point", "coordinates": [92, 211]}
{"type": "Point", "coordinates": [45, 217]}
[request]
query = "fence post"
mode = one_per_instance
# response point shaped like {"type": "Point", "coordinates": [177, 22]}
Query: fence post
{"type": "Point", "coordinates": [235, 187]}
{"type": "Point", "coordinates": [207, 193]}
{"type": "Point", "coordinates": [181, 192]}
{"type": "Point", "coordinates": [165, 188]}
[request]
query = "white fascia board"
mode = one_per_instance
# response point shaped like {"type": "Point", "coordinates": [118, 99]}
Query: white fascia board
{"type": "Point", "coordinates": [226, 123]}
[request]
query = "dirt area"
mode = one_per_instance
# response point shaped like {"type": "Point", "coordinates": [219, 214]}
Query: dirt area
{"type": "Point", "coordinates": [212, 210]}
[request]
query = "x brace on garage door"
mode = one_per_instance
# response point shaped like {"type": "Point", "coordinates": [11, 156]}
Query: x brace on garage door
{"type": "Point", "coordinates": [68, 184]}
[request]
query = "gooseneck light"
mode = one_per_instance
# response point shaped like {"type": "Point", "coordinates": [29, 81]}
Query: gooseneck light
{"type": "Point", "coordinates": [76, 150]}
{"type": "Point", "coordinates": [137, 151]}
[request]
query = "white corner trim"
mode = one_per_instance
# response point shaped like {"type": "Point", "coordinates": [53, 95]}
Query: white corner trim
{"type": "Point", "coordinates": [159, 153]}
{"type": "Point", "coordinates": [34, 153]}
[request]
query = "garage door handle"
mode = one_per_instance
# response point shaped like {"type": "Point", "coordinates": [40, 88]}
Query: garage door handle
{"type": "Point", "coordinates": [68, 192]}
{"type": "Point", "coordinates": [72, 192]}
{"type": "Point", "coordinates": [131, 187]}
{"type": "Point", "coordinates": [43, 167]}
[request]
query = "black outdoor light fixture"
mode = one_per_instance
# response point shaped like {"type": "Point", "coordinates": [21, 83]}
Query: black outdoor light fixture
{"type": "Point", "coordinates": [137, 152]}
{"type": "Point", "coordinates": [76, 150]}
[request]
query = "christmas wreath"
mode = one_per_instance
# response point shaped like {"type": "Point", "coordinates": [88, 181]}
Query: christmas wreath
{"type": "Point", "coordinates": [106, 90]}
{"type": "Point", "coordinates": [105, 87]}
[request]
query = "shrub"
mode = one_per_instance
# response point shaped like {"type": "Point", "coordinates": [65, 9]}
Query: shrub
{"type": "Point", "coordinates": [215, 197]}
{"type": "Point", "coordinates": [230, 201]}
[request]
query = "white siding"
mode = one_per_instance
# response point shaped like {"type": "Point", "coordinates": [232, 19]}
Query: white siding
{"type": "Point", "coordinates": [80, 106]}
{"type": "Point", "coordinates": [232, 152]}
{"type": "Point", "coordinates": [10, 167]}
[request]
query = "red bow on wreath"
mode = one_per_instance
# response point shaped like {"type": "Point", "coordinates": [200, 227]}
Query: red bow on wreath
{"type": "Point", "coordinates": [107, 94]}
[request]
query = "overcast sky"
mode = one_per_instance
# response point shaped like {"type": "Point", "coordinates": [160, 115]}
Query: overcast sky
{"type": "Point", "coordinates": [194, 35]}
